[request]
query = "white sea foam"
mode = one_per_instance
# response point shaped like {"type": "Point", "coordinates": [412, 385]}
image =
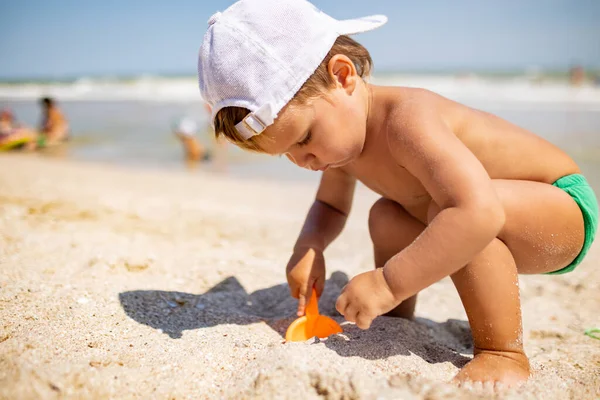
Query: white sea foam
{"type": "Point", "coordinates": [518, 90]}
{"type": "Point", "coordinates": [145, 88]}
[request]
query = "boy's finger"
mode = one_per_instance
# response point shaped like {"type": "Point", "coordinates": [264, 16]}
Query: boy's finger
{"type": "Point", "coordinates": [340, 304]}
{"type": "Point", "coordinates": [350, 314]}
{"type": "Point", "coordinates": [301, 304]}
{"type": "Point", "coordinates": [363, 321]}
{"type": "Point", "coordinates": [303, 295]}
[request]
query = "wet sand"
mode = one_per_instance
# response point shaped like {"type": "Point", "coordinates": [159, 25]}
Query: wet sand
{"type": "Point", "coordinates": [117, 283]}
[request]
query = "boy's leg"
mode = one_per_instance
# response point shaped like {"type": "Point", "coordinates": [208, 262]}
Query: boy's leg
{"type": "Point", "coordinates": [544, 227]}
{"type": "Point", "coordinates": [489, 290]}
{"type": "Point", "coordinates": [392, 229]}
{"type": "Point", "coordinates": [543, 232]}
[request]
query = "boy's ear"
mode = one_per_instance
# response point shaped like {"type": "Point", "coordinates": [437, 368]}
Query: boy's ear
{"type": "Point", "coordinates": [343, 72]}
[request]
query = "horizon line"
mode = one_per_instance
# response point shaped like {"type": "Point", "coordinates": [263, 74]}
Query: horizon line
{"type": "Point", "coordinates": [416, 70]}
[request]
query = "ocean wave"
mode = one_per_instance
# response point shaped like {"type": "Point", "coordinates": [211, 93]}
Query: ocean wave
{"type": "Point", "coordinates": [521, 90]}
{"type": "Point", "coordinates": [145, 88]}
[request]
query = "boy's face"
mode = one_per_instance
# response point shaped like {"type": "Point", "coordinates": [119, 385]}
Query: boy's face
{"type": "Point", "coordinates": [327, 132]}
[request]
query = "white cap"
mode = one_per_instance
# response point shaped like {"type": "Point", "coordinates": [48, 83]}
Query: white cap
{"type": "Point", "coordinates": [257, 54]}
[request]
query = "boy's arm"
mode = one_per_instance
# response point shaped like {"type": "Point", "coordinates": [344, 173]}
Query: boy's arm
{"type": "Point", "coordinates": [324, 222]}
{"type": "Point", "coordinates": [328, 214]}
{"type": "Point", "coordinates": [471, 214]}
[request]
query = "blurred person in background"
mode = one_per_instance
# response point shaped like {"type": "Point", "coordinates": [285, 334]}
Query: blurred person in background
{"type": "Point", "coordinates": [54, 128]}
{"type": "Point", "coordinates": [14, 135]}
{"type": "Point", "coordinates": [185, 129]}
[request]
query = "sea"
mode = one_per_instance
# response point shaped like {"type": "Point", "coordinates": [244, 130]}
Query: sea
{"type": "Point", "coordinates": [127, 120]}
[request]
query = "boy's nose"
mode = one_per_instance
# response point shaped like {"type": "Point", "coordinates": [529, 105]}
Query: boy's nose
{"type": "Point", "coordinates": [305, 160]}
{"type": "Point", "coordinates": [309, 161]}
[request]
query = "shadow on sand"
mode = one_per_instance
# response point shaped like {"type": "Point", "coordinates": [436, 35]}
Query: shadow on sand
{"type": "Point", "coordinates": [229, 303]}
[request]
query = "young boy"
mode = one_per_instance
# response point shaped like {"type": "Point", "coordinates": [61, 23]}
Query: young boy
{"type": "Point", "coordinates": [463, 193]}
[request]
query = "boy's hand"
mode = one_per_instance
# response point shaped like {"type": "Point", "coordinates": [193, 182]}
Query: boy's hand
{"type": "Point", "coordinates": [305, 270]}
{"type": "Point", "coordinates": [366, 297]}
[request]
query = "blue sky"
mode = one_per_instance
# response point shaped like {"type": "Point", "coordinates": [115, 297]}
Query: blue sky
{"type": "Point", "coordinates": [65, 38]}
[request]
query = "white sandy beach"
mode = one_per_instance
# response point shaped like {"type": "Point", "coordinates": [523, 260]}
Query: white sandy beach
{"type": "Point", "coordinates": [118, 283]}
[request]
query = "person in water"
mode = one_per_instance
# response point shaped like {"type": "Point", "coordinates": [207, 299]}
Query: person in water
{"type": "Point", "coordinates": [54, 128]}
{"type": "Point", "coordinates": [13, 134]}
{"type": "Point", "coordinates": [186, 129]}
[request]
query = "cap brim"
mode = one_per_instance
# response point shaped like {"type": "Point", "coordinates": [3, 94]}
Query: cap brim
{"type": "Point", "coordinates": [359, 25]}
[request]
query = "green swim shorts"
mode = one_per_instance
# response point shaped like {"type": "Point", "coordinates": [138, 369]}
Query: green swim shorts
{"type": "Point", "coordinates": [579, 189]}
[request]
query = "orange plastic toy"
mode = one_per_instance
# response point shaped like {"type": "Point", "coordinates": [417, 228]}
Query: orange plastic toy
{"type": "Point", "coordinates": [312, 324]}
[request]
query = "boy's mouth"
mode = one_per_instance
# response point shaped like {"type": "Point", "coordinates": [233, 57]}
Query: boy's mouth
{"type": "Point", "coordinates": [331, 165]}
{"type": "Point", "coordinates": [340, 164]}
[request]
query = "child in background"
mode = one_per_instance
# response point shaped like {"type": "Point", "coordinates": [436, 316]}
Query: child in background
{"type": "Point", "coordinates": [464, 193]}
{"type": "Point", "coordinates": [186, 129]}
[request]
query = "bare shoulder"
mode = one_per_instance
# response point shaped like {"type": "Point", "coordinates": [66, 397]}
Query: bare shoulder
{"type": "Point", "coordinates": [411, 104]}
{"type": "Point", "coordinates": [413, 112]}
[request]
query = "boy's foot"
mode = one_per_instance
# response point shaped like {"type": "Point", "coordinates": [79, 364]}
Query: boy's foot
{"type": "Point", "coordinates": [507, 368]}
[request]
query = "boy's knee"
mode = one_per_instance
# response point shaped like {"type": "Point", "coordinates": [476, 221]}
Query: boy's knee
{"type": "Point", "coordinates": [380, 217]}
{"type": "Point", "coordinates": [377, 218]}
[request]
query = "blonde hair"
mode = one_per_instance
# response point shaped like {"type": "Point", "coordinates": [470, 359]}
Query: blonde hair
{"type": "Point", "coordinates": [319, 81]}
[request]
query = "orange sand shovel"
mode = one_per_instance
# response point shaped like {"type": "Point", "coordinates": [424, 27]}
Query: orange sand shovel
{"type": "Point", "coordinates": [312, 324]}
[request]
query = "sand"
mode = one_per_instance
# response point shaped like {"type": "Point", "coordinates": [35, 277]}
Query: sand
{"type": "Point", "coordinates": [119, 283]}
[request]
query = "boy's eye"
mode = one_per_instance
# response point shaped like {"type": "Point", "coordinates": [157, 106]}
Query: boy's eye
{"type": "Point", "coordinates": [306, 140]}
